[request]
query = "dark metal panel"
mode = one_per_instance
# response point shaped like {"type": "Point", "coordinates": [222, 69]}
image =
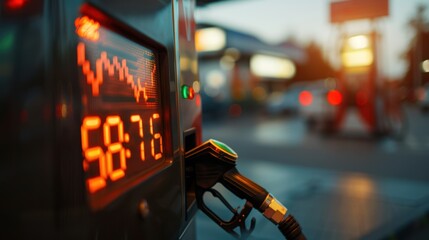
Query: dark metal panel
{"type": "Point", "coordinates": [41, 116]}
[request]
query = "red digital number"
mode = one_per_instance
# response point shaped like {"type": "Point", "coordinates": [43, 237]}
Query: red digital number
{"type": "Point", "coordinates": [93, 154]}
{"type": "Point", "coordinates": [106, 166]}
{"type": "Point", "coordinates": [155, 137]}
{"type": "Point", "coordinates": [105, 160]}
{"type": "Point", "coordinates": [113, 148]}
{"type": "Point", "coordinates": [138, 119]}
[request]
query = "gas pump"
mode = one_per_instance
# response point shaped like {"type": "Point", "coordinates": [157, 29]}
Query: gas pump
{"type": "Point", "coordinates": [99, 103]}
{"type": "Point", "coordinates": [97, 109]}
{"type": "Point", "coordinates": [359, 78]}
{"type": "Point", "coordinates": [365, 90]}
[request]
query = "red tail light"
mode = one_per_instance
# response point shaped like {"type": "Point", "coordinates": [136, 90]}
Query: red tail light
{"type": "Point", "coordinates": [13, 9]}
{"type": "Point", "coordinates": [15, 4]}
{"type": "Point", "coordinates": [334, 97]}
{"type": "Point", "coordinates": [305, 98]}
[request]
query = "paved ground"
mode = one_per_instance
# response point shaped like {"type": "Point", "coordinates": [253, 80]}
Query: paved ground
{"type": "Point", "coordinates": [348, 186]}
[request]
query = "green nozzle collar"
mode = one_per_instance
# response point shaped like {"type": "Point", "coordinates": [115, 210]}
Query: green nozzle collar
{"type": "Point", "coordinates": [223, 147]}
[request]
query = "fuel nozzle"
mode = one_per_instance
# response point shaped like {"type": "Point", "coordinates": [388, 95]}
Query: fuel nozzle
{"type": "Point", "coordinates": [214, 162]}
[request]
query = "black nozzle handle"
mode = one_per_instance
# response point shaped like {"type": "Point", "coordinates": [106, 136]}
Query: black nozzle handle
{"type": "Point", "coordinates": [244, 188]}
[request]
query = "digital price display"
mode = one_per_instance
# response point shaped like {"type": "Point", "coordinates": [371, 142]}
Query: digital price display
{"type": "Point", "coordinates": [122, 125]}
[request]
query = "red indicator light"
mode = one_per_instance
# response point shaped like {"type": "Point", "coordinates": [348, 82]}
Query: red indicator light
{"type": "Point", "coordinates": [15, 4]}
{"type": "Point", "coordinates": [87, 28]}
{"type": "Point", "coordinates": [305, 98]}
{"type": "Point", "coordinates": [191, 93]}
{"type": "Point", "coordinates": [335, 98]}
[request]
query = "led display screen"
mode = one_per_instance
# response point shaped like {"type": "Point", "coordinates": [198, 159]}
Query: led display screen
{"type": "Point", "coordinates": [122, 123]}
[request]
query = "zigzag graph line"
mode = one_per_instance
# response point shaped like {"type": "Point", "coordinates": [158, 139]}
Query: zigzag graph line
{"type": "Point", "coordinates": [96, 79]}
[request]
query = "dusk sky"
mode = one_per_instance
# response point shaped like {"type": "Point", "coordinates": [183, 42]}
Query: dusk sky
{"type": "Point", "coordinates": [306, 20]}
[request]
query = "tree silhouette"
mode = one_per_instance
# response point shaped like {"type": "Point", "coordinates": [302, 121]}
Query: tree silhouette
{"type": "Point", "coordinates": [316, 67]}
{"type": "Point", "coordinates": [418, 50]}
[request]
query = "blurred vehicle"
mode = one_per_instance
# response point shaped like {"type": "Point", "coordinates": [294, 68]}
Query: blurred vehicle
{"type": "Point", "coordinates": [279, 103]}
{"type": "Point", "coordinates": [315, 101]}
{"type": "Point", "coordinates": [318, 103]}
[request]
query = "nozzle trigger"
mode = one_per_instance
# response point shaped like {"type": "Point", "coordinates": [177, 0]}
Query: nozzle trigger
{"type": "Point", "coordinates": [238, 219]}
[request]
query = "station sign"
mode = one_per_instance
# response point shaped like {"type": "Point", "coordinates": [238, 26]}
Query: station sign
{"type": "Point", "coordinates": [346, 10]}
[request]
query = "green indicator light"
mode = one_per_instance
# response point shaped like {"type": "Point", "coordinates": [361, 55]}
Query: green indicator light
{"type": "Point", "coordinates": [185, 91]}
{"type": "Point", "coordinates": [6, 42]}
{"type": "Point", "coordinates": [224, 147]}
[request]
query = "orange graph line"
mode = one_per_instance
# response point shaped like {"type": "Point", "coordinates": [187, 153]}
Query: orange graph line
{"type": "Point", "coordinates": [103, 63]}
{"type": "Point", "coordinates": [87, 28]}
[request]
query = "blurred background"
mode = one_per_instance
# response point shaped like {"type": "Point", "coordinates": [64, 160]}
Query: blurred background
{"type": "Point", "coordinates": [326, 104]}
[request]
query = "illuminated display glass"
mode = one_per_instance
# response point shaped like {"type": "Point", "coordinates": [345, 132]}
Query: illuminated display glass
{"type": "Point", "coordinates": [122, 125]}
